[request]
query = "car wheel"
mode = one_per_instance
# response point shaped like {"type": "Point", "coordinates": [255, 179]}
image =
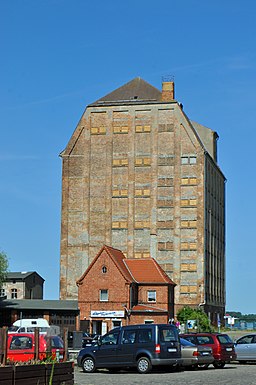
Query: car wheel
{"type": "Point", "coordinates": [144, 365]}
{"type": "Point", "coordinates": [219, 365]}
{"type": "Point", "coordinates": [88, 365]}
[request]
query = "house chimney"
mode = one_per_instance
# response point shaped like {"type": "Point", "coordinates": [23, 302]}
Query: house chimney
{"type": "Point", "coordinates": [167, 91]}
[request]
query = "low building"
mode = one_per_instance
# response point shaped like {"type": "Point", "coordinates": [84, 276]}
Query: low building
{"type": "Point", "coordinates": [115, 290]}
{"type": "Point", "coordinates": [23, 285]}
{"type": "Point", "coordinates": [64, 314]}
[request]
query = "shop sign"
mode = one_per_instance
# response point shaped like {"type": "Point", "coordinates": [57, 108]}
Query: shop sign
{"type": "Point", "coordinates": [107, 313]}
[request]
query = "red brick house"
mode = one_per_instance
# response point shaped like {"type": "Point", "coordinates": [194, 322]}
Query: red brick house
{"type": "Point", "coordinates": [117, 291]}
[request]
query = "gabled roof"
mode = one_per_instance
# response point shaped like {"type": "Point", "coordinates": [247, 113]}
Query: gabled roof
{"type": "Point", "coordinates": [133, 270]}
{"type": "Point", "coordinates": [147, 271]}
{"type": "Point", "coordinates": [117, 257]}
{"type": "Point", "coordinates": [20, 275]}
{"type": "Point", "coordinates": [135, 90]}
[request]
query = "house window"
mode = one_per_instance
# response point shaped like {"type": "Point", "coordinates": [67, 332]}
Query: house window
{"type": "Point", "coordinates": [104, 295]}
{"type": "Point", "coordinates": [151, 296]}
{"type": "Point", "coordinates": [104, 269]}
{"type": "Point", "coordinates": [14, 293]}
{"type": "Point", "coordinates": [2, 292]}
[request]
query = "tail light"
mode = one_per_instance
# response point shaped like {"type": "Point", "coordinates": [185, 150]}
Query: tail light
{"type": "Point", "coordinates": [196, 353]}
{"type": "Point", "coordinates": [157, 349]}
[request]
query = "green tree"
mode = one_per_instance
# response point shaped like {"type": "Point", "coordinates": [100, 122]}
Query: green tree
{"type": "Point", "coordinates": [188, 313]}
{"type": "Point", "coordinates": [3, 267]}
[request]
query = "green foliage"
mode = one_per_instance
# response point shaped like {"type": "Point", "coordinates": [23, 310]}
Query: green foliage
{"type": "Point", "coordinates": [3, 267]}
{"type": "Point", "coordinates": [188, 313]}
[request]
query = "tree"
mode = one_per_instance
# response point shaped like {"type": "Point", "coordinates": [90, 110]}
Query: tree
{"type": "Point", "coordinates": [3, 267]}
{"type": "Point", "coordinates": [188, 313]}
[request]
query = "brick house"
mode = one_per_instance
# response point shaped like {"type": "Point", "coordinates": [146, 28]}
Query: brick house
{"type": "Point", "coordinates": [115, 290]}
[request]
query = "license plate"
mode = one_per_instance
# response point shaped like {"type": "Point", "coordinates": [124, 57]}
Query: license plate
{"type": "Point", "coordinates": [171, 350]}
{"type": "Point", "coordinates": [229, 349]}
{"type": "Point", "coordinates": [205, 353]}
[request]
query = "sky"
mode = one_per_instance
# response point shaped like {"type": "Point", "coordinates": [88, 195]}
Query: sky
{"type": "Point", "coordinates": [57, 56]}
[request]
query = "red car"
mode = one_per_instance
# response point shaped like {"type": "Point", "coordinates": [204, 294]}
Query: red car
{"type": "Point", "coordinates": [222, 346]}
{"type": "Point", "coordinates": [21, 347]}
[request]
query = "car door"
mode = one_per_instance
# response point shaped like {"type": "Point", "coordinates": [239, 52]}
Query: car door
{"type": "Point", "coordinates": [246, 348]}
{"type": "Point", "coordinates": [127, 347]}
{"type": "Point", "coordinates": [106, 352]}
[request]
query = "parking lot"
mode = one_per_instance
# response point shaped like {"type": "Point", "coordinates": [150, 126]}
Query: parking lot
{"type": "Point", "coordinates": [234, 374]}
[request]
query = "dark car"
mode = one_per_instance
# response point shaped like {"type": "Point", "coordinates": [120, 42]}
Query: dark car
{"type": "Point", "coordinates": [222, 346]}
{"type": "Point", "coordinates": [141, 346]}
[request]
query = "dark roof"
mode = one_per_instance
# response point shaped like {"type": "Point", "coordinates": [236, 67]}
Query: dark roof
{"type": "Point", "coordinates": [134, 91]}
{"type": "Point", "coordinates": [20, 275]}
{"type": "Point", "coordinates": [39, 304]}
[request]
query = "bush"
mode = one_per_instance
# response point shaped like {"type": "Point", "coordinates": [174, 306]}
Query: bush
{"type": "Point", "coordinates": [202, 321]}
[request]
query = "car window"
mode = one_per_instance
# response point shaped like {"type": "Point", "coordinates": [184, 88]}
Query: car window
{"type": "Point", "coordinates": [202, 340]}
{"type": "Point", "coordinates": [167, 334]}
{"type": "Point", "coordinates": [144, 336]}
{"type": "Point", "coordinates": [21, 342]}
{"type": "Point", "coordinates": [56, 342]}
{"type": "Point", "coordinates": [191, 339]}
{"type": "Point", "coordinates": [224, 339]}
{"type": "Point", "coordinates": [185, 342]}
{"type": "Point", "coordinates": [245, 340]}
{"type": "Point", "coordinates": [129, 337]}
{"type": "Point", "coordinates": [110, 339]}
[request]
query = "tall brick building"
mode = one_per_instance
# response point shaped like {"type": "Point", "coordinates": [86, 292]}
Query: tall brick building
{"type": "Point", "coordinates": [140, 176]}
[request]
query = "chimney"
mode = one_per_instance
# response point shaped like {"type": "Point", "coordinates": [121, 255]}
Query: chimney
{"type": "Point", "coordinates": [167, 91]}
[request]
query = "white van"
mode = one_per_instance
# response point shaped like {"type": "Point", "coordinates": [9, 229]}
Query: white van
{"type": "Point", "coordinates": [29, 325]}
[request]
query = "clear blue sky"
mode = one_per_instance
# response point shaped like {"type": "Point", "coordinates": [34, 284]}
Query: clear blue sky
{"type": "Point", "coordinates": [58, 55]}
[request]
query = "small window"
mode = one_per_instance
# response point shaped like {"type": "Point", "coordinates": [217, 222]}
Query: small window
{"type": "Point", "coordinates": [14, 293]}
{"type": "Point", "coordinates": [151, 296]}
{"type": "Point", "coordinates": [104, 269]}
{"type": "Point", "coordinates": [2, 292]}
{"type": "Point", "coordinates": [129, 337]}
{"type": "Point", "coordinates": [110, 338]}
{"type": "Point", "coordinates": [144, 336]}
{"type": "Point", "coordinates": [104, 295]}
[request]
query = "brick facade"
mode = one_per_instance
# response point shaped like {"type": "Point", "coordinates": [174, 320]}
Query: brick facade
{"type": "Point", "coordinates": [140, 176]}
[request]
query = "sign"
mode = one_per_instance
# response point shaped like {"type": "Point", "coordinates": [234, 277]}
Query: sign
{"type": "Point", "coordinates": [191, 323]}
{"type": "Point", "coordinates": [107, 313]}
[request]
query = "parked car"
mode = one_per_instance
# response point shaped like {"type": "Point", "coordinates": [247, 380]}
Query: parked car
{"type": "Point", "coordinates": [245, 348]}
{"type": "Point", "coordinates": [222, 346]}
{"type": "Point", "coordinates": [141, 346]}
{"type": "Point", "coordinates": [21, 347]}
{"type": "Point", "coordinates": [195, 355]}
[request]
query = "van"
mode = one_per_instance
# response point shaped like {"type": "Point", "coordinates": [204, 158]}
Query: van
{"type": "Point", "coordinates": [29, 325]}
{"type": "Point", "coordinates": [140, 346]}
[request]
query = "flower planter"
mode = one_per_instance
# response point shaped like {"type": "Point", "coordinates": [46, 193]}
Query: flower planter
{"type": "Point", "coordinates": [39, 374]}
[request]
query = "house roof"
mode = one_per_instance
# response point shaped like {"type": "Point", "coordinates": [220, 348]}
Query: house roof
{"type": "Point", "coordinates": [20, 275]}
{"type": "Point", "coordinates": [133, 270]}
{"type": "Point", "coordinates": [135, 90]}
{"type": "Point", "coordinates": [117, 257]}
{"type": "Point", "coordinates": [147, 271]}
{"type": "Point", "coordinates": [146, 308]}
{"type": "Point", "coordinates": [39, 304]}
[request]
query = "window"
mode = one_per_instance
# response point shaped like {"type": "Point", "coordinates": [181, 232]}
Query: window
{"type": "Point", "coordinates": [2, 292]}
{"type": "Point", "coordinates": [142, 162]}
{"type": "Point", "coordinates": [151, 296]}
{"type": "Point", "coordinates": [189, 181]}
{"type": "Point", "coordinates": [188, 159]}
{"type": "Point", "coordinates": [120, 162]}
{"type": "Point", "coordinates": [21, 342]}
{"type": "Point", "coordinates": [120, 193]}
{"type": "Point", "coordinates": [140, 128]}
{"type": "Point", "coordinates": [120, 129]}
{"type": "Point", "coordinates": [144, 336]}
{"type": "Point", "coordinates": [110, 338]}
{"type": "Point", "coordinates": [119, 225]}
{"type": "Point", "coordinates": [98, 130]}
{"type": "Point", "coordinates": [104, 269]}
{"type": "Point", "coordinates": [14, 293]}
{"type": "Point", "coordinates": [129, 337]}
{"type": "Point", "coordinates": [188, 202]}
{"type": "Point", "coordinates": [104, 295]}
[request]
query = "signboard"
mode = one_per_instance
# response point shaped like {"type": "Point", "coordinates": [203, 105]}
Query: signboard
{"type": "Point", "coordinates": [191, 323]}
{"type": "Point", "coordinates": [107, 313]}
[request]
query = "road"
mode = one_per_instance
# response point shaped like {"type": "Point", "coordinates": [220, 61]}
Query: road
{"type": "Point", "coordinates": [232, 374]}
